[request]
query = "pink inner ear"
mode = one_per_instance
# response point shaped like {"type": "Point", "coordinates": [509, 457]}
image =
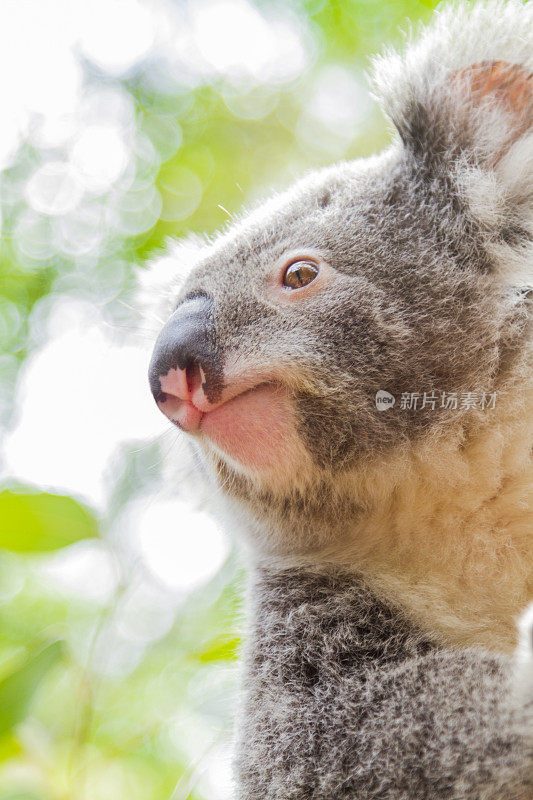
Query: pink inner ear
{"type": "Point", "coordinates": [508, 85]}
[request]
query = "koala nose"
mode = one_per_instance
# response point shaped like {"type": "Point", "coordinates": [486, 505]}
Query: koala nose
{"type": "Point", "coordinates": [185, 359]}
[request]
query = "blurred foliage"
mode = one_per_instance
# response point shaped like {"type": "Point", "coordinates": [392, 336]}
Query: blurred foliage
{"type": "Point", "coordinates": [102, 698]}
{"type": "Point", "coordinates": [17, 690]}
{"type": "Point", "coordinates": [39, 521]}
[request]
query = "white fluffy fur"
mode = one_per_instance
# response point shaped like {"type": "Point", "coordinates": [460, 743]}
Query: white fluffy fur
{"type": "Point", "coordinates": [461, 34]}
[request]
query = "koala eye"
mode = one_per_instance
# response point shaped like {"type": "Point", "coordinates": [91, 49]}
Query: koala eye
{"type": "Point", "coordinates": [299, 274]}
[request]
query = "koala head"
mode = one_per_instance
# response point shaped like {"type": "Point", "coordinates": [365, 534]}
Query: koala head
{"type": "Point", "coordinates": [406, 273]}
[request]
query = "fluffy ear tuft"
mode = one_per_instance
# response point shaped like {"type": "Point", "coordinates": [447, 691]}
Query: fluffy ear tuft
{"type": "Point", "coordinates": [464, 87]}
{"type": "Point", "coordinates": [461, 98]}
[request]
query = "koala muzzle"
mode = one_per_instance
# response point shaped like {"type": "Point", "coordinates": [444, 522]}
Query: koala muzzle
{"type": "Point", "coordinates": [225, 399]}
{"type": "Point", "coordinates": [186, 361]}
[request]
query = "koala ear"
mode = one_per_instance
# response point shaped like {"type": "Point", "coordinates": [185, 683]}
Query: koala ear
{"type": "Point", "coordinates": [495, 101]}
{"type": "Point", "coordinates": [476, 114]}
{"type": "Point", "coordinates": [464, 88]}
{"type": "Point", "coordinates": [461, 99]}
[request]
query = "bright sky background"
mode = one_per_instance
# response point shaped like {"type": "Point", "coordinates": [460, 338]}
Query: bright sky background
{"type": "Point", "coordinates": [84, 392]}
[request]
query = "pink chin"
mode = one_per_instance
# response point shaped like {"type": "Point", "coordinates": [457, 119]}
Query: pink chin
{"type": "Point", "coordinates": [253, 428]}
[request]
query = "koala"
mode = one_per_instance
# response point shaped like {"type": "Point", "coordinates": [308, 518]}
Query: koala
{"type": "Point", "coordinates": [351, 363]}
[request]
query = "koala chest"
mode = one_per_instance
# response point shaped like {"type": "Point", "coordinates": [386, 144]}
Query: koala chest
{"type": "Point", "coordinates": [318, 650]}
{"type": "Point", "coordinates": [345, 698]}
{"type": "Point", "coordinates": [444, 529]}
{"type": "Point", "coordinates": [453, 543]}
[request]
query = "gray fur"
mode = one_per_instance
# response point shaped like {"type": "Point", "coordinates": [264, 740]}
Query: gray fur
{"type": "Point", "coordinates": [345, 700]}
{"type": "Point", "coordinates": [431, 246]}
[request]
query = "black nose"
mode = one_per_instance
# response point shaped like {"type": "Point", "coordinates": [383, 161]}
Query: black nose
{"type": "Point", "coordinates": [188, 339]}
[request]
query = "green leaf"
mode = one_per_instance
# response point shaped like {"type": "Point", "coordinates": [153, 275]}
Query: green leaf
{"type": "Point", "coordinates": [32, 521]}
{"type": "Point", "coordinates": [17, 691]}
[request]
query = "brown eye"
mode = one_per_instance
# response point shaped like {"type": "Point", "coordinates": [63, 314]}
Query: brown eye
{"type": "Point", "coordinates": [299, 274]}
